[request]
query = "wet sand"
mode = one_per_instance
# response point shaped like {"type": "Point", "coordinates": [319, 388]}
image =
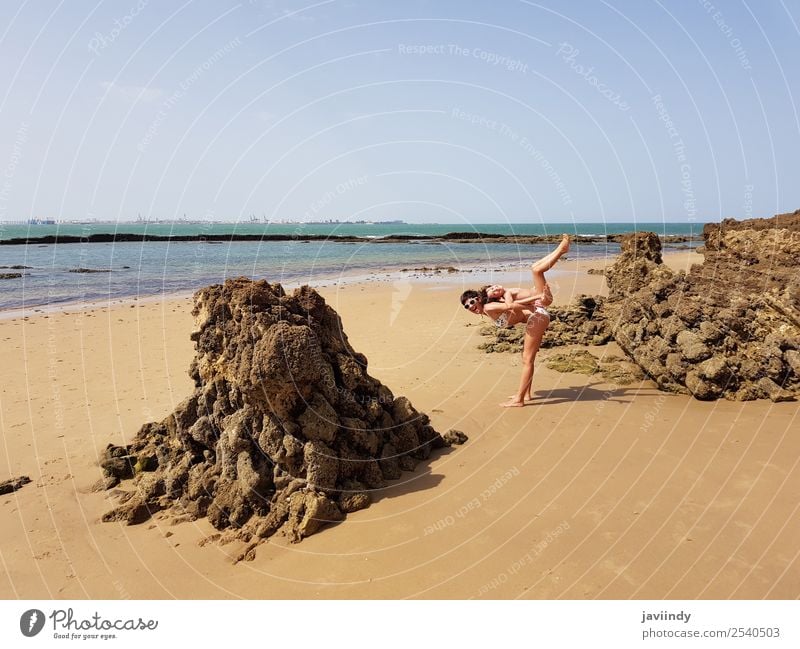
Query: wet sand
{"type": "Point", "coordinates": [595, 490]}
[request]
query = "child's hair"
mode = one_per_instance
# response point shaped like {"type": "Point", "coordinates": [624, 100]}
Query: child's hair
{"type": "Point", "coordinates": [481, 295]}
{"type": "Point", "coordinates": [486, 297]}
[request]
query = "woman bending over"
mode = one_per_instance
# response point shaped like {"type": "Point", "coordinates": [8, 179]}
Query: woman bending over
{"type": "Point", "coordinates": [520, 305]}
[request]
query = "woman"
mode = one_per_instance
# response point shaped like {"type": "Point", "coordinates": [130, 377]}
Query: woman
{"type": "Point", "coordinates": [528, 308]}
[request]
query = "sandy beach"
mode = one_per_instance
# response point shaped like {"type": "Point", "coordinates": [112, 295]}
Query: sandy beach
{"type": "Point", "coordinates": [594, 491]}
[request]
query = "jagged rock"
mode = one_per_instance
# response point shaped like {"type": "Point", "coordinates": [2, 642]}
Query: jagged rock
{"type": "Point", "coordinates": [453, 436]}
{"type": "Point", "coordinates": [390, 465]}
{"type": "Point", "coordinates": [9, 486]}
{"type": "Point", "coordinates": [285, 430]}
{"type": "Point", "coordinates": [793, 360]}
{"type": "Point", "coordinates": [709, 332]}
{"type": "Point", "coordinates": [353, 497]}
{"type": "Point", "coordinates": [692, 348]}
{"type": "Point", "coordinates": [637, 265]}
{"type": "Point", "coordinates": [322, 465]}
{"type": "Point", "coordinates": [714, 369]}
{"type": "Point", "coordinates": [319, 420]}
{"type": "Point", "coordinates": [700, 388]}
{"type": "Point", "coordinates": [308, 512]}
{"type": "Point", "coordinates": [132, 512]}
{"type": "Point", "coordinates": [117, 462]}
{"type": "Point", "coordinates": [774, 391]}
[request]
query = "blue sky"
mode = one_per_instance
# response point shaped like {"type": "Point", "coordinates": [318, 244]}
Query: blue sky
{"type": "Point", "coordinates": [426, 111]}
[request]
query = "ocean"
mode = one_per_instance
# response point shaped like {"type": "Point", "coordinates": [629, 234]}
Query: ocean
{"type": "Point", "coordinates": [137, 269]}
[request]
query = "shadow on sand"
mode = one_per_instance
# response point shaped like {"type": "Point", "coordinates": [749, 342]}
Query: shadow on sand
{"type": "Point", "coordinates": [586, 393]}
{"type": "Point", "coordinates": [419, 479]}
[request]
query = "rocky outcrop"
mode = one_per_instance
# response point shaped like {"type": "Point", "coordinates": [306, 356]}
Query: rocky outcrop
{"type": "Point", "coordinates": [581, 323]}
{"type": "Point", "coordinates": [285, 431]}
{"type": "Point", "coordinates": [730, 327]}
{"type": "Point", "coordinates": [10, 486]}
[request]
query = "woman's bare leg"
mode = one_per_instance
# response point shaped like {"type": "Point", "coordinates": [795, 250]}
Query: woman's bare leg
{"type": "Point", "coordinates": [550, 259]}
{"type": "Point", "coordinates": [547, 295]}
{"type": "Point", "coordinates": [544, 264]}
{"type": "Point", "coordinates": [534, 332]}
{"type": "Point", "coordinates": [537, 325]}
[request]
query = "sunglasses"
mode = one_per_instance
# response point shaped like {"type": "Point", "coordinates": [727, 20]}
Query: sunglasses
{"type": "Point", "coordinates": [470, 302]}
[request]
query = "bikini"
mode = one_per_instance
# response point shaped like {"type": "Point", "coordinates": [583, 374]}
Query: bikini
{"type": "Point", "coordinates": [538, 309]}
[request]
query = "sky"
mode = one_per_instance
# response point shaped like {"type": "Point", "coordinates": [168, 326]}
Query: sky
{"type": "Point", "coordinates": [450, 111]}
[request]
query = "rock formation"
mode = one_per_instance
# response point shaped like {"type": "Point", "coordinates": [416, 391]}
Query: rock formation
{"type": "Point", "coordinates": [730, 327]}
{"type": "Point", "coordinates": [10, 486]}
{"type": "Point", "coordinates": [285, 430]}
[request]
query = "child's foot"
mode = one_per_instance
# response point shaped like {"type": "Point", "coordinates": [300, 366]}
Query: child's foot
{"type": "Point", "coordinates": [513, 402]}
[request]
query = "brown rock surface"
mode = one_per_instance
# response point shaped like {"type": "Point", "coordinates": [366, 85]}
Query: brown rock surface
{"type": "Point", "coordinates": [9, 486]}
{"type": "Point", "coordinates": [730, 327]}
{"type": "Point", "coordinates": [285, 430]}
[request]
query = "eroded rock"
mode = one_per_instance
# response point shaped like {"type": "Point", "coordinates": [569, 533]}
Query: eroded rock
{"type": "Point", "coordinates": [285, 431]}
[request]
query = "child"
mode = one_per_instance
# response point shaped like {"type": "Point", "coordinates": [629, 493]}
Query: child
{"type": "Point", "coordinates": [521, 296]}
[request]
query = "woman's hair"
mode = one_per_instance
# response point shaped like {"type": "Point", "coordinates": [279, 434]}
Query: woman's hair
{"type": "Point", "coordinates": [481, 295]}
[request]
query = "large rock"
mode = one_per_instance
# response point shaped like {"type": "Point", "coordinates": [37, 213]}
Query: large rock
{"type": "Point", "coordinates": [691, 346]}
{"type": "Point", "coordinates": [731, 325]}
{"type": "Point", "coordinates": [285, 431]}
{"type": "Point", "coordinates": [638, 264]}
{"type": "Point", "coordinates": [9, 486]}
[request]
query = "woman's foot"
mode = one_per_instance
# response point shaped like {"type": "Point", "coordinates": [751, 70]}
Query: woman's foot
{"type": "Point", "coordinates": [548, 261]}
{"type": "Point", "coordinates": [513, 402]}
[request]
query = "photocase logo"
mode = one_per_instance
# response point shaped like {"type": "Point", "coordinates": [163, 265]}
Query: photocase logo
{"type": "Point", "coordinates": [31, 622]}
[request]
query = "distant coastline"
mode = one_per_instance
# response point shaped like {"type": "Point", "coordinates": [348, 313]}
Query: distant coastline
{"type": "Point", "coordinates": [450, 237]}
{"type": "Point", "coordinates": [146, 222]}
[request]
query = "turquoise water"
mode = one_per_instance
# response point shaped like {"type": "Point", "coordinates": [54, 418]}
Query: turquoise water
{"type": "Point", "coordinates": [364, 230]}
{"type": "Point", "coordinates": [157, 268]}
